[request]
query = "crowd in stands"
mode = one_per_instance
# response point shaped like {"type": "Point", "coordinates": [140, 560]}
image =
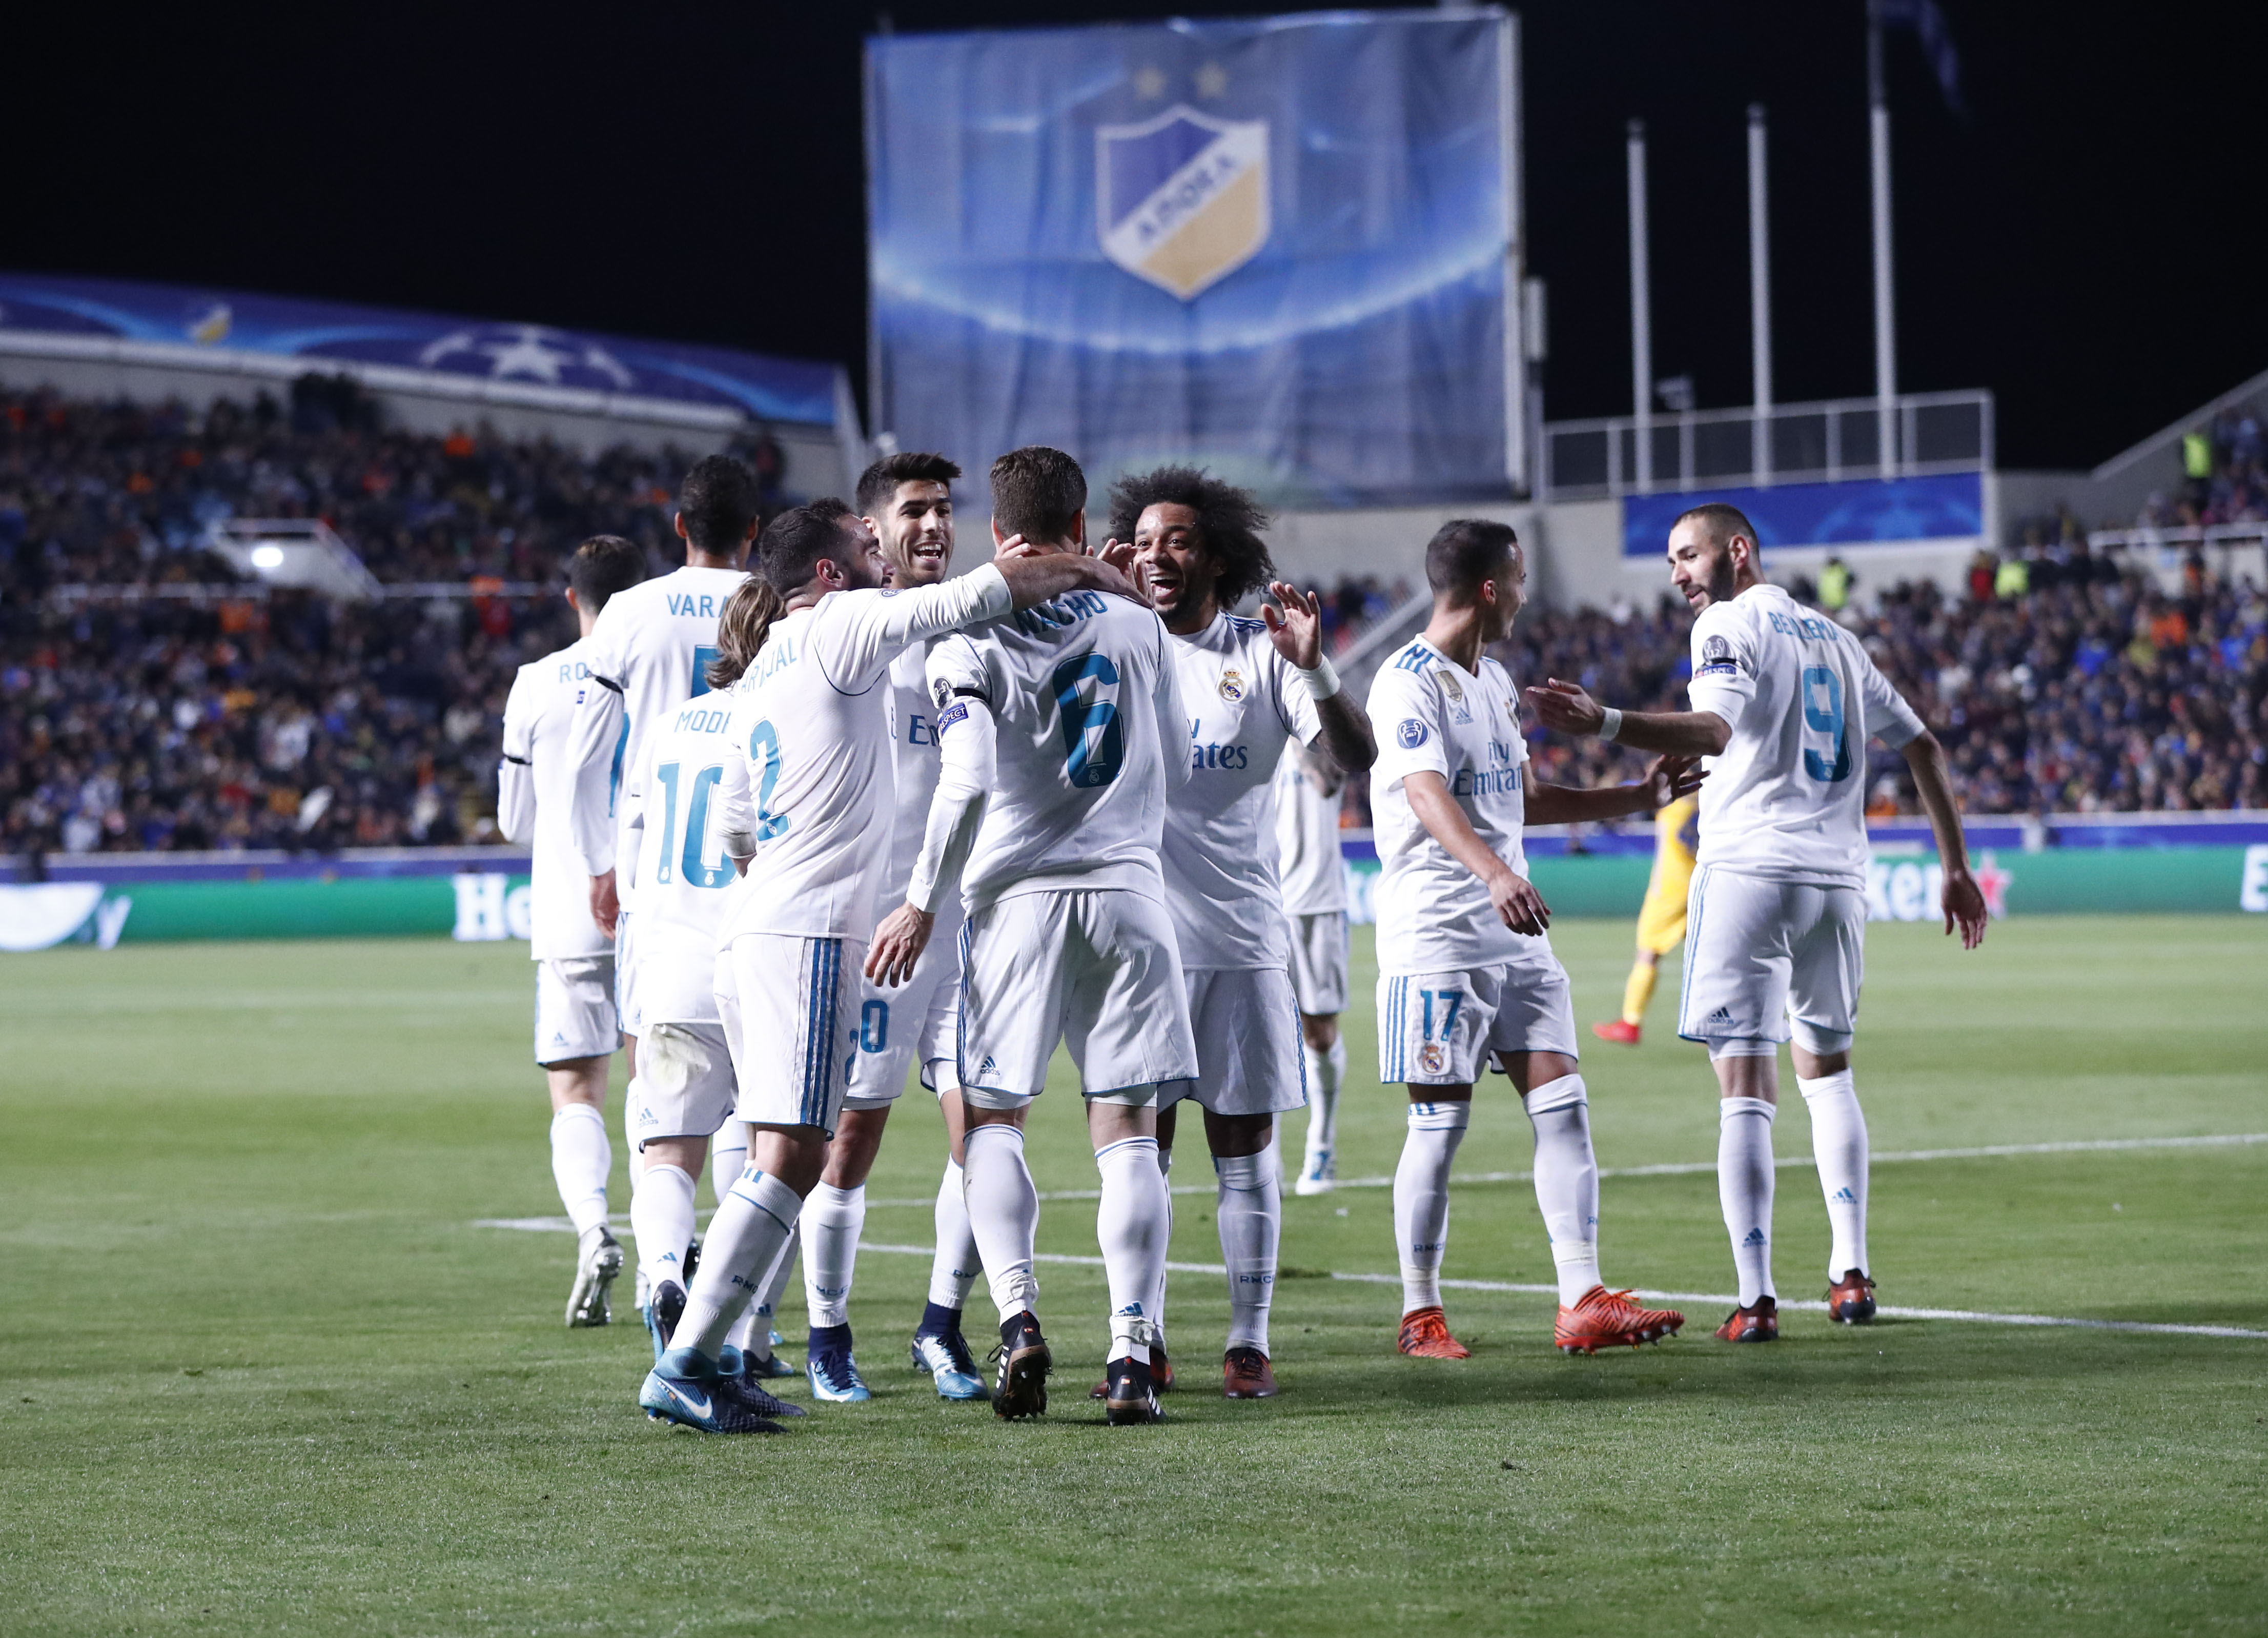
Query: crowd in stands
{"type": "Point", "coordinates": [233, 716]}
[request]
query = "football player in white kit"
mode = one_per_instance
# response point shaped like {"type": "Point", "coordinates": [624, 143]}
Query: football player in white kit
{"type": "Point", "coordinates": [1786, 700]}
{"type": "Point", "coordinates": [1252, 689]}
{"type": "Point", "coordinates": [1312, 872]}
{"type": "Point", "coordinates": [537, 786]}
{"type": "Point", "coordinates": [805, 794]}
{"type": "Point", "coordinates": [907, 500]}
{"type": "Point", "coordinates": [682, 1093]}
{"type": "Point", "coordinates": [1466, 972]}
{"type": "Point", "coordinates": [1063, 741]}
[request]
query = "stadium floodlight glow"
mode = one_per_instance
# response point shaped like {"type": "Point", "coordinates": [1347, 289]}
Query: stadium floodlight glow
{"type": "Point", "coordinates": [268, 558]}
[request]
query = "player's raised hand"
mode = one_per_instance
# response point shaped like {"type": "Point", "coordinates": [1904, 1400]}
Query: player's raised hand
{"type": "Point", "coordinates": [1566, 707]}
{"type": "Point", "coordinates": [1519, 906]}
{"type": "Point", "coordinates": [1668, 778]}
{"type": "Point", "coordinates": [898, 944]}
{"type": "Point", "coordinates": [1964, 907]}
{"type": "Point", "coordinates": [1118, 554]}
{"type": "Point", "coordinates": [1297, 628]}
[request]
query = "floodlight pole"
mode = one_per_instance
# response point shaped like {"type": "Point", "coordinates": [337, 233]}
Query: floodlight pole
{"type": "Point", "coordinates": [1886, 342]}
{"type": "Point", "coordinates": [1641, 314]}
{"type": "Point", "coordinates": [1760, 360]}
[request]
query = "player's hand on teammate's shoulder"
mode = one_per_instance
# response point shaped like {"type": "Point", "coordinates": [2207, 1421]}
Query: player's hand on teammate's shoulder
{"type": "Point", "coordinates": [1013, 548]}
{"type": "Point", "coordinates": [898, 944]}
{"type": "Point", "coordinates": [1518, 903]}
{"type": "Point", "coordinates": [1297, 627]}
{"type": "Point", "coordinates": [1964, 908]}
{"type": "Point", "coordinates": [1566, 707]}
{"type": "Point", "coordinates": [1669, 778]}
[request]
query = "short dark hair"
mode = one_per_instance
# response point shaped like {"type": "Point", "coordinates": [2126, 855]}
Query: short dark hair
{"type": "Point", "coordinates": [1228, 522]}
{"type": "Point", "coordinates": [719, 501]}
{"type": "Point", "coordinates": [794, 541]}
{"type": "Point", "coordinates": [1036, 492]}
{"type": "Point", "coordinates": [1722, 520]}
{"type": "Point", "coordinates": [1465, 551]}
{"type": "Point", "coordinates": [601, 566]}
{"type": "Point", "coordinates": [879, 481]}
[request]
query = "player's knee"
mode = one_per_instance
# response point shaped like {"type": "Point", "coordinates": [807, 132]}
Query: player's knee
{"type": "Point", "coordinates": [1565, 1093]}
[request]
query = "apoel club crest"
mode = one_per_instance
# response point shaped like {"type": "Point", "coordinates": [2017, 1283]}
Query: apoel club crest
{"type": "Point", "coordinates": [1181, 199]}
{"type": "Point", "coordinates": [1231, 686]}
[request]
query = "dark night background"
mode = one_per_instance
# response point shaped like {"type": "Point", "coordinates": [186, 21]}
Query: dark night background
{"type": "Point", "coordinates": [695, 172]}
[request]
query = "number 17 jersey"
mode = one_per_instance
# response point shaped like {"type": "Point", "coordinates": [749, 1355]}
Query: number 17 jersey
{"type": "Point", "coordinates": [1786, 801]}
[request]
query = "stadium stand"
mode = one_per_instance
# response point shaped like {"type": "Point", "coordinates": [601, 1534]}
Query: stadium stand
{"type": "Point", "coordinates": [151, 698]}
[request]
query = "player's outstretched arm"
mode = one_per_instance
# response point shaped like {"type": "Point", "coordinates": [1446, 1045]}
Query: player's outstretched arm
{"type": "Point", "coordinates": [1964, 900]}
{"type": "Point", "coordinates": [1514, 897]}
{"type": "Point", "coordinates": [1569, 707]}
{"type": "Point", "coordinates": [968, 755]}
{"type": "Point", "coordinates": [1035, 579]}
{"type": "Point", "coordinates": [1296, 627]}
{"type": "Point", "coordinates": [1666, 780]}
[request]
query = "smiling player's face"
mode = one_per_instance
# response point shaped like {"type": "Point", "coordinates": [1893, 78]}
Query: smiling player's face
{"type": "Point", "coordinates": [916, 528]}
{"type": "Point", "coordinates": [863, 564]}
{"type": "Point", "coordinates": [1180, 571]}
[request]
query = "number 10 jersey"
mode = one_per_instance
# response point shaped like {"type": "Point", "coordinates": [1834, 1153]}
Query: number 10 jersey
{"type": "Point", "coordinates": [1092, 736]}
{"type": "Point", "coordinates": [1787, 800]}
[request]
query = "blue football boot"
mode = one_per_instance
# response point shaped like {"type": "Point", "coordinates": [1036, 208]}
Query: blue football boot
{"type": "Point", "coordinates": [686, 1387]}
{"type": "Point", "coordinates": [945, 1359]}
{"type": "Point", "coordinates": [834, 1373]}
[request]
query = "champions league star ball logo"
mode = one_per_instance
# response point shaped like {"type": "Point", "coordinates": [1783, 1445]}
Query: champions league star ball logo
{"type": "Point", "coordinates": [1181, 199]}
{"type": "Point", "coordinates": [1231, 686]}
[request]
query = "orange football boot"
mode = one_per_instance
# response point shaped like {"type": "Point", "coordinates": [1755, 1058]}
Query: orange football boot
{"type": "Point", "coordinates": [1851, 1300]}
{"type": "Point", "coordinates": [1621, 1032]}
{"type": "Point", "coordinates": [1426, 1336]}
{"type": "Point", "coordinates": [1759, 1323]}
{"type": "Point", "coordinates": [1602, 1319]}
{"type": "Point", "coordinates": [1245, 1375]}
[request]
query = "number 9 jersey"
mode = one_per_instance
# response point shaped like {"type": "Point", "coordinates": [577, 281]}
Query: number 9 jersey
{"type": "Point", "coordinates": [1786, 800]}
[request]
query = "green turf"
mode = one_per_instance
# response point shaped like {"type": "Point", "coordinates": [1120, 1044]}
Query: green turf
{"type": "Point", "coordinates": [262, 1374]}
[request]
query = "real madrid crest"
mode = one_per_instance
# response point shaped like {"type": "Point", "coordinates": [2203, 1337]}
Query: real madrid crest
{"type": "Point", "coordinates": [1431, 1059]}
{"type": "Point", "coordinates": [1231, 686]}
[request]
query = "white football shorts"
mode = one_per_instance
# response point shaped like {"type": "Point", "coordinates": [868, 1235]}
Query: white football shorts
{"type": "Point", "coordinates": [1097, 969]}
{"type": "Point", "coordinates": [575, 1009]}
{"type": "Point", "coordinates": [627, 1010]}
{"type": "Point", "coordinates": [684, 1087]}
{"type": "Point", "coordinates": [912, 1025]}
{"type": "Point", "coordinates": [1246, 1027]}
{"type": "Point", "coordinates": [1319, 960]}
{"type": "Point", "coordinates": [1761, 954]}
{"type": "Point", "coordinates": [1444, 1029]}
{"type": "Point", "coordinates": [780, 1000]}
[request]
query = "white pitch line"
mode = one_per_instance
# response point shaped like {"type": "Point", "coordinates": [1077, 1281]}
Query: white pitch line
{"type": "Point", "coordinates": [540, 1225]}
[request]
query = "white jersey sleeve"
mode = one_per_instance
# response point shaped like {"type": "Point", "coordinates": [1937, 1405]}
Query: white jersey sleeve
{"type": "Point", "coordinates": [867, 631]}
{"type": "Point", "coordinates": [566, 799]}
{"type": "Point", "coordinates": [516, 770]}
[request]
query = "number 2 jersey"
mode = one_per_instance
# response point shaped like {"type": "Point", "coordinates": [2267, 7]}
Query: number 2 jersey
{"type": "Point", "coordinates": [1786, 800]}
{"type": "Point", "coordinates": [670, 805]}
{"type": "Point", "coordinates": [1092, 738]}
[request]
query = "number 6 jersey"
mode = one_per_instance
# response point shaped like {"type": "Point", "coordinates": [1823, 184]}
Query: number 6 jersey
{"type": "Point", "coordinates": [1092, 737]}
{"type": "Point", "coordinates": [1787, 800]}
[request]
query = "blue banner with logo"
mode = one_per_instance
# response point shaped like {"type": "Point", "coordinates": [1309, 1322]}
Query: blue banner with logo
{"type": "Point", "coordinates": [1275, 246]}
{"type": "Point", "coordinates": [328, 334]}
{"type": "Point", "coordinates": [1857, 512]}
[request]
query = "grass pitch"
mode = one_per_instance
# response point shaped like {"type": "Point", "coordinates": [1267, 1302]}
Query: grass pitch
{"type": "Point", "coordinates": [263, 1373]}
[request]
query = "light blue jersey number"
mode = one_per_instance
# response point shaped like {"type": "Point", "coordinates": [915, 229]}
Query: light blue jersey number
{"type": "Point", "coordinates": [1822, 712]}
{"type": "Point", "coordinates": [1094, 745]}
{"type": "Point", "coordinates": [693, 857]}
{"type": "Point", "coordinates": [704, 654]}
{"type": "Point", "coordinates": [764, 751]}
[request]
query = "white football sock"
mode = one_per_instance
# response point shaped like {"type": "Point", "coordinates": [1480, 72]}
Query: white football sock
{"type": "Point", "coordinates": [745, 1236]}
{"type": "Point", "coordinates": [1744, 1189]}
{"type": "Point", "coordinates": [1157, 1308]}
{"type": "Point", "coordinates": [1567, 1182]}
{"type": "Point", "coordinates": [661, 1219]}
{"type": "Point", "coordinates": [1326, 1072]}
{"type": "Point", "coordinates": [728, 1158]}
{"type": "Point", "coordinates": [1250, 1207]}
{"type": "Point", "coordinates": [831, 1222]}
{"type": "Point", "coordinates": [1004, 1214]}
{"type": "Point", "coordinates": [1130, 1227]}
{"type": "Point", "coordinates": [956, 1265]}
{"type": "Point", "coordinates": [1421, 1198]}
{"type": "Point", "coordinates": [752, 1332]}
{"type": "Point", "coordinates": [581, 1157]}
{"type": "Point", "coordinates": [1838, 1144]}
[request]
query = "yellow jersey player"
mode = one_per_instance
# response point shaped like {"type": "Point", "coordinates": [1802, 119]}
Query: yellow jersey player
{"type": "Point", "coordinates": [1661, 919]}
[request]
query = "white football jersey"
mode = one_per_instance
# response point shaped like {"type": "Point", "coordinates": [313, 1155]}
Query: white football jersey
{"type": "Point", "coordinates": [539, 717]}
{"type": "Point", "coordinates": [649, 654]}
{"type": "Point", "coordinates": [1245, 704]}
{"type": "Point", "coordinates": [1309, 865]}
{"type": "Point", "coordinates": [1091, 744]}
{"type": "Point", "coordinates": [913, 762]}
{"type": "Point", "coordinates": [671, 806]}
{"type": "Point", "coordinates": [810, 783]}
{"type": "Point", "coordinates": [1787, 800]}
{"type": "Point", "coordinates": [1432, 715]}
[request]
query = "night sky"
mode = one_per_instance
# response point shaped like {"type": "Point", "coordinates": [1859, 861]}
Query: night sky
{"type": "Point", "coordinates": [694, 173]}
